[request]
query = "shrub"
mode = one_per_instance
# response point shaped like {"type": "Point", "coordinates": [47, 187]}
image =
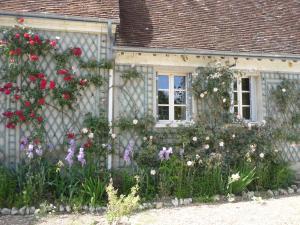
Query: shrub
{"type": "Point", "coordinates": [8, 187]}
{"type": "Point", "coordinates": [119, 206]}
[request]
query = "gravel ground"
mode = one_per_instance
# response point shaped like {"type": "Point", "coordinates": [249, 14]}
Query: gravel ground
{"type": "Point", "coordinates": [284, 211]}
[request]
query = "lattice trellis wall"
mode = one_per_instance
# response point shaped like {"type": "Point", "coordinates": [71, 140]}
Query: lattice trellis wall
{"type": "Point", "coordinates": [134, 99]}
{"type": "Point", "coordinates": [269, 82]}
{"type": "Point", "coordinates": [94, 100]}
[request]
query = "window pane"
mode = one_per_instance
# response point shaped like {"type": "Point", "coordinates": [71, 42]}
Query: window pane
{"type": "Point", "coordinates": [163, 97]}
{"type": "Point", "coordinates": [235, 98]}
{"type": "Point", "coordinates": [163, 112]}
{"type": "Point", "coordinates": [179, 82]}
{"type": "Point", "coordinates": [236, 110]}
{"type": "Point", "coordinates": [245, 84]}
{"type": "Point", "coordinates": [180, 112]}
{"type": "Point", "coordinates": [246, 98]}
{"type": "Point", "coordinates": [179, 97]}
{"type": "Point", "coordinates": [163, 82]}
{"type": "Point", "coordinates": [246, 113]}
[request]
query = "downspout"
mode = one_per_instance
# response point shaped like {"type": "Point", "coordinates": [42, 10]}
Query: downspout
{"type": "Point", "coordinates": [110, 87]}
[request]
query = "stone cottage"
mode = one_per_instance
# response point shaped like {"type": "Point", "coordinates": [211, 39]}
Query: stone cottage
{"type": "Point", "coordinates": [166, 41]}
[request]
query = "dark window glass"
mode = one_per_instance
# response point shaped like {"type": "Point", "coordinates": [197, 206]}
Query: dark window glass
{"type": "Point", "coordinates": [180, 112]}
{"type": "Point", "coordinates": [246, 113]}
{"type": "Point", "coordinates": [163, 112]}
{"type": "Point", "coordinates": [235, 85]}
{"type": "Point", "coordinates": [246, 98]}
{"type": "Point", "coordinates": [163, 97]}
{"type": "Point", "coordinates": [179, 97]}
{"type": "Point", "coordinates": [245, 84]}
{"type": "Point", "coordinates": [236, 110]}
{"type": "Point", "coordinates": [163, 82]}
{"type": "Point", "coordinates": [235, 97]}
{"type": "Point", "coordinates": [179, 82]}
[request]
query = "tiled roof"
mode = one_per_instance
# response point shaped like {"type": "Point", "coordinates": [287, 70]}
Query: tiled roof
{"type": "Point", "coordinates": [104, 9]}
{"type": "Point", "coordinates": [261, 26]}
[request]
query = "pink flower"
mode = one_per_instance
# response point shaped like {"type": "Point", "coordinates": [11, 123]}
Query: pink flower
{"type": "Point", "coordinates": [33, 58]}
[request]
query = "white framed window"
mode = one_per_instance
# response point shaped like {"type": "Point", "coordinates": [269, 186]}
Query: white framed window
{"type": "Point", "coordinates": [244, 103]}
{"type": "Point", "coordinates": [171, 98]}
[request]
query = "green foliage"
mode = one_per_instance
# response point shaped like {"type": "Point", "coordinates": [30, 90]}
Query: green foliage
{"type": "Point", "coordinates": [130, 74]}
{"type": "Point", "coordinates": [238, 182]}
{"type": "Point", "coordinates": [8, 187]}
{"type": "Point", "coordinates": [119, 206]}
{"type": "Point", "coordinates": [93, 190]}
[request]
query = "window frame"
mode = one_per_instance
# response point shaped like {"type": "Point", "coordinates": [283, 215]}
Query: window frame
{"type": "Point", "coordinates": [171, 79]}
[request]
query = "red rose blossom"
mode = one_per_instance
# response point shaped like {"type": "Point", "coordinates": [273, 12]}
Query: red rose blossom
{"type": "Point", "coordinates": [11, 125]}
{"type": "Point", "coordinates": [70, 135]}
{"type": "Point", "coordinates": [26, 35]}
{"type": "Point", "coordinates": [8, 85]}
{"type": "Point", "coordinates": [18, 51]}
{"type": "Point", "coordinates": [19, 112]}
{"type": "Point", "coordinates": [68, 78]}
{"type": "Point", "coordinates": [76, 52]}
{"type": "Point", "coordinates": [52, 85]}
{"type": "Point", "coordinates": [17, 97]}
{"type": "Point", "coordinates": [21, 20]}
{"type": "Point", "coordinates": [41, 101]}
{"type": "Point", "coordinates": [43, 84]}
{"type": "Point", "coordinates": [7, 91]}
{"type": "Point", "coordinates": [32, 78]}
{"type": "Point", "coordinates": [32, 42]}
{"type": "Point", "coordinates": [83, 82]}
{"type": "Point", "coordinates": [8, 114]}
{"type": "Point", "coordinates": [27, 103]}
{"type": "Point", "coordinates": [41, 75]}
{"type": "Point", "coordinates": [33, 58]}
{"type": "Point", "coordinates": [40, 119]}
{"type": "Point", "coordinates": [88, 144]}
{"type": "Point", "coordinates": [66, 96]}
{"type": "Point", "coordinates": [62, 72]}
{"type": "Point", "coordinates": [17, 36]}
{"type": "Point", "coordinates": [32, 115]}
{"type": "Point", "coordinates": [22, 118]}
{"type": "Point", "coordinates": [53, 43]}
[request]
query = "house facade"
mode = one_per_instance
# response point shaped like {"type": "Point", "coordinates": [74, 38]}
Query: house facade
{"type": "Point", "coordinates": [166, 42]}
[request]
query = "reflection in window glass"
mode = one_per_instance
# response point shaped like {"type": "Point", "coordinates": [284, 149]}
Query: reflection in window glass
{"type": "Point", "coordinates": [163, 82]}
{"type": "Point", "coordinates": [179, 82]}
{"type": "Point", "coordinates": [163, 97]}
{"type": "Point", "coordinates": [246, 98]}
{"type": "Point", "coordinates": [163, 112]}
{"type": "Point", "coordinates": [179, 97]}
{"type": "Point", "coordinates": [180, 112]}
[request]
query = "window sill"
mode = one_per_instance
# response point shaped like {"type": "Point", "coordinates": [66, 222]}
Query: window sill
{"type": "Point", "coordinates": [164, 124]}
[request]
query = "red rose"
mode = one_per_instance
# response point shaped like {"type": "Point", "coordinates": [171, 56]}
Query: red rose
{"type": "Point", "coordinates": [8, 114]}
{"type": "Point", "coordinates": [27, 103]}
{"type": "Point", "coordinates": [11, 125]}
{"type": "Point", "coordinates": [19, 112]}
{"type": "Point", "coordinates": [66, 96]}
{"type": "Point", "coordinates": [7, 91]}
{"type": "Point", "coordinates": [33, 58]}
{"type": "Point", "coordinates": [32, 78]}
{"type": "Point", "coordinates": [62, 72]}
{"type": "Point", "coordinates": [32, 115]}
{"type": "Point", "coordinates": [53, 43]}
{"type": "Point", "coordinates": [83, 82]}
{"type": "Point", "coordinates": [77, 51]}
{"type": "Point", "coordinates": [88, 144]}
{"type": "Point", "coordinates": [41, 75]}
{"type": "Point", "coordinates": [68, 78]}
{"type": "Point", "coordinates": [12, 52]}
{"type": "Point", "coordinates": [21, 20]}
{"type": "Point", "coordinates": [17, 36]}
{"type": "Point", "coordinates": [22, 118]}
{"type": "Point", "coordinates": [43, 84]}
{"type": "Point", "coordinates": [17, 97]}
{"type": "Point", "coordinates": [1, 89]}
{"type": "Point", "coordinates": [32, 42]}
{"type": "Point", "coordinates": [18, 51]}
{"type": "Point", "coordinates": [8, 85]}
{"type": "Point", "coordinates": [52, 85]}
{"type": "Point", "coordinates": [40, 119]}
{"type": "Point", "coordinates": [26, 35]}
{"type": "Point", "coordinates": [41, 101]}
{"type": "Point", "coordinates": [70, 135]}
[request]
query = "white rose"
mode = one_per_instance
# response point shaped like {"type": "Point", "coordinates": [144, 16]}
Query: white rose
{"type": "Point", "coordinates": [189, 163]}
{"type": "Point", "coordinates": [206, 146]}
{"type": "Point", "coordinates": [145, 138]}
{"type": "Point", "coordinates": [215, 89]}
{"type": "Point", "coordinates": [195, 139]}
{"type": "Point", "coordinates": [113, 136]}
{"type": "Point", "coordinates": [152, 172]}
{"type": "Point", "coordinates": [262, 155]}
{"type": "Point", "coordinates": [57, 38]}
{"type": "Point", "coordinates": [201, 95]}
{"type": "Point", "coordinates": [207, 138]}
{"type": "Point", "coordinates": [221, 144]}
{"type": "Point", "coordinates": [91, 135]}
{"type": "Point", "coordinates": [197, 156]}
{"type": "Point", "coordinates": [263, 122]}
{"type": "Point", "coordinates": [103, 145]}
{"type": "Point", "coordinates": [224, 100]}
{"type": "Point", "coordinates": [151, 137]}
{"type": "Point", "coordinates": [84, 130]}
{"type": "Point", "coordinates": [233, 136]}
{"type": "Point", "coordinates": [135, 121]}
{"type": "Point", "coordinates": [235, 177]}
{"type": "Point", "coordinates": [283, 90]}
